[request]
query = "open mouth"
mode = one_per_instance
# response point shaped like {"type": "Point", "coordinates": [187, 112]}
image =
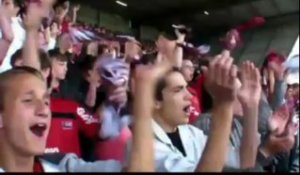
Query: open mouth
{"type": "Point", "coordinates": [187, 110]}
{"type": "Point", "coordinates": [38, 129]}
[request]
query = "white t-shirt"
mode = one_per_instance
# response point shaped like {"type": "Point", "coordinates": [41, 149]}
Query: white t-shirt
{"type": "Point", "coordinates": [72, 164]}
{"type": "Point", "coordinates": [18, 41]}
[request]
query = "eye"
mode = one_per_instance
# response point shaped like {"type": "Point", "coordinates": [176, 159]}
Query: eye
{"type": "Point", "coordinates": [177, 90]}
{"type": "Point", "coordinates": [28, 100]}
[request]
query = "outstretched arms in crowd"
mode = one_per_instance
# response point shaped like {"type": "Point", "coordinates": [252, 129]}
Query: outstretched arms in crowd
{"type": "Point", "coordinates": [7, 33]}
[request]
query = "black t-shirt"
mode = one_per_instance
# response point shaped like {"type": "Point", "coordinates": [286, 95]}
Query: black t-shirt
{"type": "Point", "coordinates": [176, 140]}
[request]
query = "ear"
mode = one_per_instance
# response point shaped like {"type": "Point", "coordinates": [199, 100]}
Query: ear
{"type": "Point", "coordinates": [157, 105]}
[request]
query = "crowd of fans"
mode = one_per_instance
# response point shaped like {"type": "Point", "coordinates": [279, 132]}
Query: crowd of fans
{"type": "Point", "coordinates": [77, 98]}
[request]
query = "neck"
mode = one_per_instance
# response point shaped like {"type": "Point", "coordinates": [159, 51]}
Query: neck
{"type": "Point", "coordinates": [168, 128]}
{"type": "Point", "coordinates": [54, 83]}
{"type": "Point", "coordinates": [12, 161]}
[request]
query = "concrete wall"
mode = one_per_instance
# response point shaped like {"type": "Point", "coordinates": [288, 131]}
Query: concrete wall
{"type": "Point", "coordinates": [148, 33]}
{"type": "Point", "coordinates": [113, 22]}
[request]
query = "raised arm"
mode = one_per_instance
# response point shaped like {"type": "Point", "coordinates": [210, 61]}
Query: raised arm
{"type": "Point", "coordinates": [221, 81]}
{"type": "Point", "coordinates": [277, 97]}
{"type": "Point", "coordinates": [249, 96]}
{"type": "Point", "coordinates": [7, 33]}
{"type": "Point", "coordinates": [32, 22]}
{"type": "Point", "coordinates": [76, 8]}
{"type": "Point", "coordinates": [146, 77]}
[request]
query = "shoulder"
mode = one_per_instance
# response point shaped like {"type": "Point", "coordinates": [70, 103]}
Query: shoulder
{"type": "Point", "coordinates": [50, 167]}
{"type": "Point", "coordinates": [192, 130]}
{"type": "Point", "coordinates": [203, 122]}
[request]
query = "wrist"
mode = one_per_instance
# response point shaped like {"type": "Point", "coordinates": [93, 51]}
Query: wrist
{"type": "Point", "coordinates": [223, 104]}
{"type": "Point", "coordinates": [250, 106]}
{"type": "Point", "coordinates": [93, 85]}
{"type": "Point", "coordinates": [31, 31]}
{"type": "Point", "coordinates": [224, 109]}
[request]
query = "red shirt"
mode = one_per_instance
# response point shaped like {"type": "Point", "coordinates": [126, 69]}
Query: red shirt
{"type": "Point", "coordinates": [65, 26]}
{"type": "Point", "coordinates": [196, 91]}
{"type": "Point", "coordinates": [68, 121]}
{"type": "Point", "coordinates": [37, 167]}
{"type": "Point", "coordinates": [195, 111]}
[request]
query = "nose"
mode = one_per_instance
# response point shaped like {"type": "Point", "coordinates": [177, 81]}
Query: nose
{"type": "Point", "coordinates": [188, 95]}
{"type": "Point", "coordinates": [42, 109]}
{"type": "Point", "coordinates": [66, 68]}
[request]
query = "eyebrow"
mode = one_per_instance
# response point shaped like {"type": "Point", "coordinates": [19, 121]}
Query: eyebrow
{"type": "Point", "coordinates": [178, 87]}
{"type": "Point", "coordinates": [46, 94]}
{"type": "Point", "coordinates": [29, 92]}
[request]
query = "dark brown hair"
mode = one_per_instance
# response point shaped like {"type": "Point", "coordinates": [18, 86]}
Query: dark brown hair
{"type": "Point", "coordinates": [162, 84]}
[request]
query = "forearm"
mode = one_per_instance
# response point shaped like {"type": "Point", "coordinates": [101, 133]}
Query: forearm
{"type": "Point", "coordinates": [47, 34]}
{"type": "Point", "coordinates": [179, 57]}
{"type": "Point", "coordinates": [6, 29]}
{"type": "Point", "coordinates": [74, 17]}
{"type": "Point", "coordinates": [250, 140]}
{"type": "Point", "coordinates": [216, 150]}
{"type": "Point", "coordinates": [142, 155]}
{"type": "Point", "coordinates": [277, 98]}
{"type": "Point", "coordinates": [90, 99]}
{"type": "Point", "coordinates": [30, 50]}
{"type": "Point", "coordinates": [271, 83]}
{"type": "Point", "coordinates": [7, 36]}
{"type": "Point", "coordinates": [4, 46]}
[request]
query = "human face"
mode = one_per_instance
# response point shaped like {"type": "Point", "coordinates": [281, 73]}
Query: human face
{"type": "Point", "coordinates": [187, 70]}
{"type": "Point", "coordinates": [176, 103]}
{"type": "Point", "coordinates": [26, 115]}
{"type": "Point", "coordinates": [293, 91]}
{"type": "Point", "coordinates": [65, 42]}
{"type": "Point", "coordinates": [10, 6]}
{"type": "Point", "coordinates": [289, 93]}
{"type": "Point", "coordinates": [59, 69]}
{"type": "Point", "coordinates": [93, 76]}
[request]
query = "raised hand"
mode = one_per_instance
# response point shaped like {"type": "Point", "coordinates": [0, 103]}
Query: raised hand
{"type": "Point", "coordinates": [132, 49]}
{"type": "Point", "coordinates": [119, 96]}
{"type": "Point", "coordinates": [221, 78]}
{"type": "Point", "coordinates": [250, 92]}
{"type": "Point", "coordinates": [145, 78]}
{"type": "Point", "coordinates": [169, 50]}
{"type": "Point", "coordinates": [35, 14]}
{"type": "Point", "coordinates": [280, 144]}
{"type": "Point", "coordinates": [94, 79]}
{"type": "Point", "coordinates": [279, 120]}
{"type": "Point", "coordinates": [76, 8]}
{"type": "Point", "coordinates": [279, 70]}
{"type": "Point", "coordinates": [180, 35]}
